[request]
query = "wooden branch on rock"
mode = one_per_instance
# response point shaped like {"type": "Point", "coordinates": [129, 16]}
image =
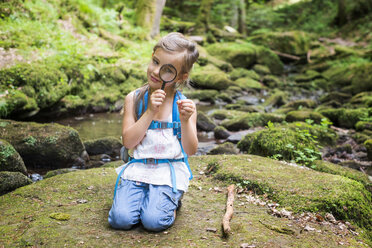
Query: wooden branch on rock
{"type": "Point", "coordinates": [229, 209]}
{"type": "Point", "coordinates": [286, 55]}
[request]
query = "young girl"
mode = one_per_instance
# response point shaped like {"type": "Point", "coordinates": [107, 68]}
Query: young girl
{"type": "Point", "coordinates": [160, 127]}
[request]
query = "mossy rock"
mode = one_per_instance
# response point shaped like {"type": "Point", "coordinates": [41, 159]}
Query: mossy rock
{"type": "Point", "coordinates": [276, 99]}
{"type": "Point", "coordinates": [202, 95]}
{"type": "Point", "coordinates": [306, 103]}
{"type": "Point", "coordinates": [49, 80]}
{"type": "Point", "coordinates": [335, 96]}
{"type": "Point", "coordinates": [350, 78]}
{"type": "Point", "coordinates": [291, 42]}
{"type": "Point", "coordinates": [225, 148]}
{"type": "Point", "coordinates": [303, 115]}
{"type": "Point", "coordinates": [327, 167]}
{"type": "Point", "coordinates": [295, 188]}
{"type": "Point", "coordinates": [205, 123]}
{"type": "Point", "coordinates": [249, 120]}
{"type": "Point", "coordinates": [224, 97]}
{"type": "Point", "coordinates": [111, 74]}
{"type": "Point", "coordinates": [271, 60]}
{"type": "Point", "coordinates": [245, 55]}
{"type": "Point", "coordinates": [243, 107]}
{"type": "Point", "coordinates": [364, 99]}
{"type": "Point", "coordinates": [288, 141]}
{"type": "Point", "coordinates": [345, 198]}
{"type": "Point", "coordinates": [368, 145]}
{"type": "Point", "coordinates": [222, 114]}
{"type": "Point", "coordinates": [345, 117]}
{"type": "Point", "coordinates": [242, 73]}
{"type": "Point", "coordinates": [206, 59]}
{"type": "Point", "coordinates": [363, 125]}
{"type": "Point", "coordinates": [248, 83]}
{"type": "Point", "coordinates": [271, 81]}
{"type": "Point", "coordinates": [220, 132]}
{"type": "Point", "coordinates": [10, 160]}
{"type": "Point", "coordinates": [106, 145]}
{"type": "Point", "coordinates": [43, 145]}
{"type": "Point", "coordinates": [216, 80]}
{"type": "Point", "coordinates": [278, 140]}
{"type": "Point", "coordinates": [172, 25]}
{"type": "Point", "coordinates": [10, 180]}
{"type": "Point", "coordinates": [16, 103]}
{"type": "Point", "coordinates": [308, 76]}
{"type": "Point", "coordinates": [261, 69]}
{"type": "Point", "coordinates": [53, 173]}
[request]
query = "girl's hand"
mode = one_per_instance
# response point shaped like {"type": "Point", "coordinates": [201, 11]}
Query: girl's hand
{"type": "Point", "coordinates": [186, 108]}
{"type": "Point", "coordinates": [156, 100]}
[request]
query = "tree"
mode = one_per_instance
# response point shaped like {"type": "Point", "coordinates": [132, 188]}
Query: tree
{"type": "Point", "coordinates": [241, 19]}
{"type": "Point", "coordinates": [156, 24]}
{"type": "Point", "coordinates": [148, 15]}
{"type": "Point", "coordinates": [202, 21]}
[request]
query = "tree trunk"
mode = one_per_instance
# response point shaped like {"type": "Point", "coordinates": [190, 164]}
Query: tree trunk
{"type": "Point", "coordinates": [341, 17]}
{"type": "Point", "coordinates": [241, 23]}
{"type": "Point", "coordinates": [235, 15]}
{"type": "Point", "coordinates": [158, 12]}
{"type": "Point", "coordinates": [145, 11]}
{"type": "Point", "coordinates": [202, 21]}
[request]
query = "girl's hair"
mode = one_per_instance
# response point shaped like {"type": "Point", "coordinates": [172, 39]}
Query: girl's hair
{"type": "Point", "coordinates": [172, 42]}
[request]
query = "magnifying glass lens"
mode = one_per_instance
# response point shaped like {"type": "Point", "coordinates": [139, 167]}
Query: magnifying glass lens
{"type": "Point", "coordinates": [167, 73]}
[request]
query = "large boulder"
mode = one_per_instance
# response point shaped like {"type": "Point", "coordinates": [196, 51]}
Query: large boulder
{"type": "Point", "coordinates": [204, 123]}
{"type": "Point", "coordinates": [353, 77]}
{"type": "Point", "coordinates": [10, 160]}
{"type": "Point", "coordinates": [107, 145]}
{"type": "Point", "coordinates": [298, 142]}
{"type": "Point", "coordinates": [249, 120]}
{"type": "Point", "coordinates": [246, 55]}
{"type": "Point", "coordinates": [210, 79]}
{"type": "Point", "coordinates": [291, 42]}
{"type": "Point", "coordinates": [342, 117]}
{"type": "Point", "coordinates": [11, 180]}
{"type": "Point", "coordinates": [49, 146]}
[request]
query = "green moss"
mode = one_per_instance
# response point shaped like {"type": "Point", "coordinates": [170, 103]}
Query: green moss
{"type": "Point", "coordinates": [10, 180]}
{"type": "Point", "coordinates": [205, 79]}
{"type": "Point", "coordinates": [241, 72]}
{"type": "Point", "coordinates": [10, 160]}
{"type": "Point", "coordinates": [362, 125]}
{"type": "Point", "coordinates": [335, 169]}
{"type": "Point", "coordinates": [202, 95]}
{"type": "Point", "coordinates": [276, 99]}
{"type": "Point", "coordinates": [292, 42]}
{"type": "Point", "coordinates": [239, 55]}
{"type": "Point", "coordinates": [261, 69]}
{"type": "Point", "coordinates": [289, 187]}
{"type": "Point", "coordinates": [248, 83]}
{"type": "Point", "coordinates": [307, 103]}
{"type": "Point", "coordinates": [249, 120]}
{"type": "Point", "coordinates": [368, 145]}
{"type": "Point", "coordinates": [26, 210]}
{"type": "Point", "coordinates": [345, 117]}
{"type": "Point", "coordinates": [221, 114]}
{"type": "Point", "coordinates": [302, 115]}
{"type": "Point", "coordinates": [60, 216]}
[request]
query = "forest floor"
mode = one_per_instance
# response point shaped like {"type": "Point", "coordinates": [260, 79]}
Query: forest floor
{"type": "Point", "coordinates": [85, 198]}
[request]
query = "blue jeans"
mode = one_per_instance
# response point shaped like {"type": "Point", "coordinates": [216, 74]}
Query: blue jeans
{"type": "Point", "coordinates": [153, 205]}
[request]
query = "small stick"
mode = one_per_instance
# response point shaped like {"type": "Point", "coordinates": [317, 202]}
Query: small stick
{"type": "Point", "coordinates": [229, 209]}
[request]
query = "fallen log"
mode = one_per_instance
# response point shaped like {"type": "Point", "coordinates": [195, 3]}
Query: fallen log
{"type": "Point", "coordinates": [286, 55]}
{"type": "Point", "coordinates": [229, 209]}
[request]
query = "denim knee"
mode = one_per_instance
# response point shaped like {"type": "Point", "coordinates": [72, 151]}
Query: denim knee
{"type": "Point", "coordinates": [121, 219]}
{"type": "Point", "coordinates": [155, 222]}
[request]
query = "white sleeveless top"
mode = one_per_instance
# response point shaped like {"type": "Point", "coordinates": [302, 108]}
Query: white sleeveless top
{"type": "Point", "coordinates": [159, 144]}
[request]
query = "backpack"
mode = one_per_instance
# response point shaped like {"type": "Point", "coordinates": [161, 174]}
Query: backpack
{"type": "Point", "coordinates": [175, 124]}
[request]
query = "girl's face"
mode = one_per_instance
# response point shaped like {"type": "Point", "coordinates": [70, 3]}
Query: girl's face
{"type": "Point", "coordinates": [159, 58]}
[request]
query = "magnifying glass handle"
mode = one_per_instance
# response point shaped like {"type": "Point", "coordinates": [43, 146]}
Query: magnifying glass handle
{"type": "Point", "coordinates": [163, 85]}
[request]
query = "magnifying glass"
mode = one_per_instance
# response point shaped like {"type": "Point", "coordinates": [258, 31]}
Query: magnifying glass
{"type": "Point", "coordinates": [167, 74]}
